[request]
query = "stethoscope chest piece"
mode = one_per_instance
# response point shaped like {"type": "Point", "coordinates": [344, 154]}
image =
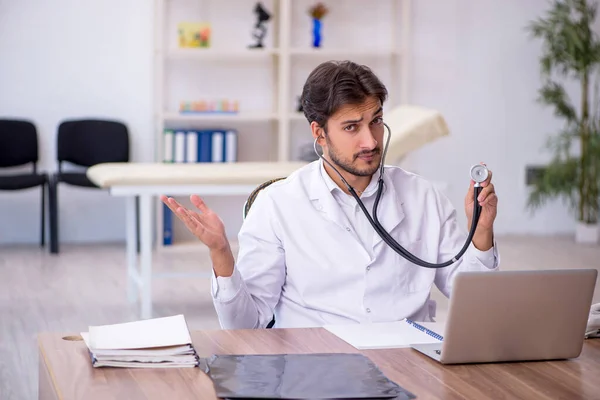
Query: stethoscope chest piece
{"type": "Point", "coordinates": [479, 173]}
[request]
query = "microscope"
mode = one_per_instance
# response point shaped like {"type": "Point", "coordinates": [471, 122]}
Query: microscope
{"type": "Point", "coordinates": [260, 30]}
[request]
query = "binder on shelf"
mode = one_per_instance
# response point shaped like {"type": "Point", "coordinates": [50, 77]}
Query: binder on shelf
{"type": "Point", "coordinates": [191, 144]}
{"type": "Point", "coordinates": [179, 146]}
{"type": "Point", "coordinates": [231, 152]}
{"type": "Point", "coordinates": [218, 146]}
{"type": "Point", "coordinates": [204, 145]}
{"type": "Point", "coordinates": [168, 140]}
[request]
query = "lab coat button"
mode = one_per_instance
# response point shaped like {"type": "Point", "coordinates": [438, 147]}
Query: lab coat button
{"type": "Point", "coordinates": [368, 268]}
{"type": "Point", "coordinates": [368, 310]}
{"type": "Point", "coordinates": [348, 228]}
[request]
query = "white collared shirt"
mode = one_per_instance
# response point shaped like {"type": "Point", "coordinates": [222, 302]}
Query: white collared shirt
{"type": "Point", "coordinates": [356, 217]}
{"type": "Point", "coordinates": [309, 257]}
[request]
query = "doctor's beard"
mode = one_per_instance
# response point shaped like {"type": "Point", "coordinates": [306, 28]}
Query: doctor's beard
{"type": "Point", "coordinates": [348, 165]}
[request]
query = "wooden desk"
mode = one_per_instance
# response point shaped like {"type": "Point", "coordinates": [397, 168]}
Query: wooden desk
{"type": "Point", "coordinates": [66, 372]}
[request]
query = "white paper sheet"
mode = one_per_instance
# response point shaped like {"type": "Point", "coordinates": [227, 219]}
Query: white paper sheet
{"type": "Point", "coordinates": [385, 335]}
{"type": "Point", "coordinates": [157, 332]}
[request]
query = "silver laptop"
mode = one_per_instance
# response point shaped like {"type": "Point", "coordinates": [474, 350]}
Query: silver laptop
{"type": "Point", "coordinates": [515, 316]}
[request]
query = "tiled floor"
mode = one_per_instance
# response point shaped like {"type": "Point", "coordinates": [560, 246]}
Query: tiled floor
{"type": "Point", "coordinates": [85, 285]}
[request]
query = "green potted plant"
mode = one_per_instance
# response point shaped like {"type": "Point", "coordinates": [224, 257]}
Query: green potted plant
{"type": "Point", "coordinates": [571, 51]}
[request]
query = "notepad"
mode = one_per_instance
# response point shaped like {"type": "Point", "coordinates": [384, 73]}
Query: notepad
{"type": "Point", "coordinates": [384, 335]}
{"type": "Point", "coordinates": [153, 343]}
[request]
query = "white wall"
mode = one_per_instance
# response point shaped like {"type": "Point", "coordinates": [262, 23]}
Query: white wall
{"type": "Point", "coordinates": [472, 60]}
{"type": "Point", "coordinates": [70, 59]}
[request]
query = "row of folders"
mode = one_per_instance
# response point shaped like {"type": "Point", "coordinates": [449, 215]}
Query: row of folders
{"type": "Point", "coordinates": [207, 145]}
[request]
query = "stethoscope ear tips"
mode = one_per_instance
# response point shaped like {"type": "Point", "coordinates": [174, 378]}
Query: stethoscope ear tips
{"type": "Point", "coordinates": [479, 173]}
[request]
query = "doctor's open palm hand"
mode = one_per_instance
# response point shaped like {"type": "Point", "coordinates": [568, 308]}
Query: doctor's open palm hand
{"type": "Point", "coordinates": [206, 225]}
{"type": "Point", "coordinates": [489, 204]}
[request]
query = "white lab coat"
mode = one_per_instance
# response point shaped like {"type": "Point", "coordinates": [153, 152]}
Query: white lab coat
{"type": "Point", "coordinates": [300, 260]}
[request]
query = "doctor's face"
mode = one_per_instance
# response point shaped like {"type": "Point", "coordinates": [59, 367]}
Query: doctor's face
{"type": "Point", "coordinates": [354, 138]}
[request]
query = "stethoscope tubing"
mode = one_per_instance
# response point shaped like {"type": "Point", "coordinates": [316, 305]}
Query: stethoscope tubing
{"type": "Point", "coordinates": [385, 236]}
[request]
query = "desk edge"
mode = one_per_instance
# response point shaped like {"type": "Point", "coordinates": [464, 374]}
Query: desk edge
{"type": "Point", "coordinates": [42, 352]}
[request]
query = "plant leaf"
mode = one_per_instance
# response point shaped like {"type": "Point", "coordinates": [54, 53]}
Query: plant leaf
{"type": "Point", "coordinates": [553, 94]}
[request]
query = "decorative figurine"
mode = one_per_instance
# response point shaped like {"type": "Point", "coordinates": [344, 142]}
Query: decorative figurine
{"type": "Point", "coordinates": [317, 12]}
{"type": "Point", "coordinates": [260, 30]}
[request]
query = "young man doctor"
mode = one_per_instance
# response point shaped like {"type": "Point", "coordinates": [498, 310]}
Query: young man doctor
{"type": "Point", "coordinates": [308, 255]}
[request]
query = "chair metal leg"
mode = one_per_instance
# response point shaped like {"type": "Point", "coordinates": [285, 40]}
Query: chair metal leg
{"type": "Point", "coordinates": [43, 213]}
{"type": "Point", "coordinates": [53, 197]}
{"type": "Point", "coordinates": [137, 223]}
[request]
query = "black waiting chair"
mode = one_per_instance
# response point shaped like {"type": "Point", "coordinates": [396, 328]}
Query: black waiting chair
{"type": "Point", "coordinates": [84, 143]}
{"type": "Point", "coordinates": [247, 206]}
{"type": "Point", "coordinates": [19, 147]}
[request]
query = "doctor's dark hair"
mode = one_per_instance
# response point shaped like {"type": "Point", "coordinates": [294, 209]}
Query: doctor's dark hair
{"type": "Point", "coordinates": [334, 84]}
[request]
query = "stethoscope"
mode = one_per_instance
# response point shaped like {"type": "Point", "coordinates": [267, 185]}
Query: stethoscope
{"type": "Point", "coordinates": [479, 173]}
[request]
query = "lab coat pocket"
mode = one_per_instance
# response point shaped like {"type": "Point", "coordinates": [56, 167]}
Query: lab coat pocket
{"type": "Point", "coordinates": [412, 278]}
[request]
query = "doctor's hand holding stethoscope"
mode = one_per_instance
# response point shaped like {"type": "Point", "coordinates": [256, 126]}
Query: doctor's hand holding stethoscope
{"type": "Point", "coordinates": [483, 238]}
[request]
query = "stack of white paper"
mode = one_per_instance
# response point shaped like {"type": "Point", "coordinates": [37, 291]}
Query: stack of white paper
{"type": "Point", "coordinates": [153, 343]}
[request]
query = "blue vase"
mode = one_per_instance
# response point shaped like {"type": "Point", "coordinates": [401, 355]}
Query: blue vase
{"type": "Point", "coordinates": [316, 33]}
